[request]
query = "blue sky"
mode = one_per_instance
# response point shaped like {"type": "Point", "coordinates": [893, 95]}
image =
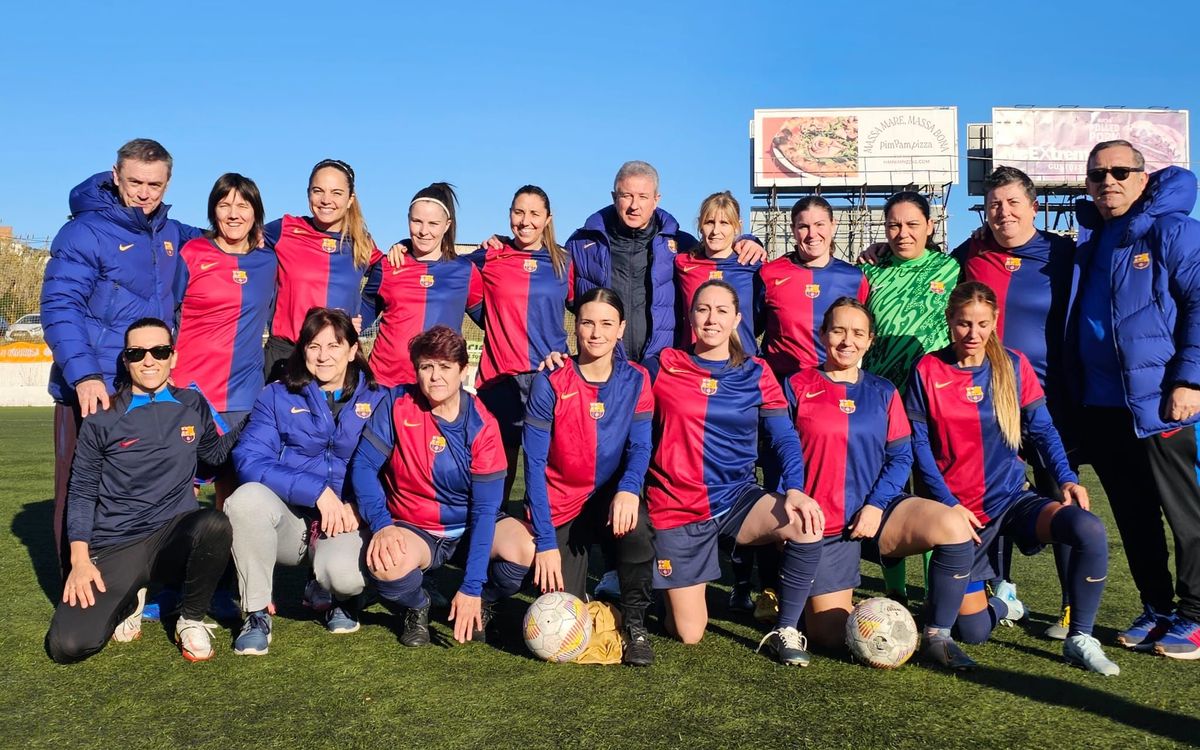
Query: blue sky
{"type": "Point", "coordinates": [491, 96]}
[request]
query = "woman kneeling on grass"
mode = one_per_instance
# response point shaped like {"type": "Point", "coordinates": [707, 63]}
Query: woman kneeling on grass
{"type": "Point", "coordinates": [443, 467]}
{"type": "Point", "coordinates": [709, 402]}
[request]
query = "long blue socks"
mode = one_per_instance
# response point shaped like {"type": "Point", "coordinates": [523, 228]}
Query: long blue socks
{"type": "Point", "coordinates": [797, 572]}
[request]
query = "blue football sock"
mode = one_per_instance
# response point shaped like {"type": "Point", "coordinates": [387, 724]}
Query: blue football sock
{"type": "Point", "coordinates": [1062, 566]}
{"type": "Point", "coordinates": [797, 572]}
{"type": "Point", "coordinates": [949, 574]}
{"type": "Point", "coordinates": [406, 591]}
{"type": "Point", "coordinates": [1088, 567]}
{"type": "Point", "coordinates": [977, 627]}
{"type": "Point", "coordinates": [504, 579]}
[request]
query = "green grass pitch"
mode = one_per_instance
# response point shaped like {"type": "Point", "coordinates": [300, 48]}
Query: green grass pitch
{"type": "Point", "coordinates": [315, 690]}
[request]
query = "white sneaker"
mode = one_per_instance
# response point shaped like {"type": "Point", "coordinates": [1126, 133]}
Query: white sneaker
{"type": "Point", "coordinates": [195, 638]}
{"type": "Point", "coordinates": [609, 587]}
{"type": "Point", "coordinates": [1007, 593]}
{"type": "Point", "coordinates": [1085, 651]}
{"type": "Point", "coordinates": [130, 629]}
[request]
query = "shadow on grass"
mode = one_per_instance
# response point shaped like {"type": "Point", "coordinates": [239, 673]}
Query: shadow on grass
{"type": "Point", "coordinates": [1055, 692]}
{"type": "Point", "coordinates": [32, 525]}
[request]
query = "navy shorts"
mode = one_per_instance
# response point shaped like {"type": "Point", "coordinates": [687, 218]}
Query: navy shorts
{"type": "Point", "coordinates": [838, 569]}
{"type": "Point", "coordinates": [687, 555]}
{"type": "Point", "coordinates": [441, 548]}
{"type": "Point", "coordinates": [1019, 523]}
{"type": "Point", "coordinates": [505, 398]}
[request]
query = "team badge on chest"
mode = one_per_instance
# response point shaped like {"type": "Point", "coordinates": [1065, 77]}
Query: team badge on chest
{"type": "Point", "coordinates": [169, 247]}
{"type": "Point", "coordinates": [937, 287]}
{"type": "Point", "coordinates": [426, 280]}
{"type": "Point", "coordinates": [1012, 264]}
{"type": "Point", "coordinates": [188, 433]}
{"type": "Point", "coordinates": [812, 291]}
{"type": "Point", "coordinates": [708, 386]}
{"type": "Point", "coordinates": [974, 393]}
{"type": "Point", "coordinates": [239, 276]}
{"type": "Point", "coordinates": [596, 409]}
{"type": "Point", "coordinates": [530, 265]}
{"type": "Point", "coordinates": [363, 409]}
{"type": "Point", "coordinates": [716, 275]}
{"type": "Point", "coordinates": [1141, 260]}
{"type": "Point", "coordinates": [329, 245]}
{"type": "Point", "coordinates": [846, 405]}
{"type": "Point", "coordinates": [437, 444]}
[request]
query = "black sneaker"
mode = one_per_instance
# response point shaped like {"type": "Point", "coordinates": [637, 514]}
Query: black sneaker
{"type": "Point", "coordinates": [638, 651]}
{"type": "Point", "coordinates": [487, 612]}
{"type": "Point", "coordinates": [416, 627]}
{"type": "Point", "coordinates": [740, 599]}
{"type": "Point", "coordinates": [941, 649]}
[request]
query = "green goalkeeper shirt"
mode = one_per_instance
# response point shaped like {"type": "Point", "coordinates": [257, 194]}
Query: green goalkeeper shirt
{"type": "Point", "coordinates": [908, 299]}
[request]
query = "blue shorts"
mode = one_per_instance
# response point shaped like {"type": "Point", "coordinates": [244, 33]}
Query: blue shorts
{"type": "Point", "coordinates": [441, 548]}
{"type": "Point", "coordinates": [505, 397]}
{"type": "Point", "coordinates": [1018, 522]}
{"type": "Point", "coordinates": [838, 569]}
{"type": "Point", "coordinates": [687, 555]}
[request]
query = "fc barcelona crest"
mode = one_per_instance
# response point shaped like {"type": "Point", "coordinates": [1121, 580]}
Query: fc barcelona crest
{"type": "Point", "coordinates": [716, 275]}
{"type": "Point", "coordinates": [812, 291]}
{"type": "Point", "coordinates": [239, 276]}
{"type": "Point", "coordinates": [329, 245]}
{"type": "Point", "coordinates": [426, 280]}
{"type": "Point", "coordinates": [1141, 260]}
{"type": "Point", "coordinates": [530, 265]}
{"type": "Point", "coordinates": [437, 444]}
{"type": "Point", "coordinates": [708, 386]}
{"type": "Point", "coordinates": [596, 409]}
{"type": "Point", "coordinates": [937, 287]}
{"type": "Point", "coordinates": [673, 246]}
{"type": "Point", "coordinates": [188, 433]}
{"type": "Point", "coordinates": [169, 247]}
{"type": "Point", "coordinates": [363, 409]}
{"type": "Point", "coordinates": [1012, 264]}
{"type": "Point", "coordinates": [974, 393]}
{"type": "Point", "coordinates": [664, 568]}
{"type": "Point", "coordinates": [846, 405]}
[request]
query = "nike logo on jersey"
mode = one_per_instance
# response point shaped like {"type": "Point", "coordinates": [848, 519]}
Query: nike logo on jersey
{"type": "Point", "coordinates": [1089, 579]}
{"type": "Point", "coordinates": [689, 269]}
{"type": "Point", "coordinates": [123, 248]}
{"type": "Point", "coordinates": [127, 443]}
{"type": "Point", "coordinates": [297, 230]}
{"type": "Point", "coordinates": [298, 409]}
{"type": "Point", "coordinates": [784, 280]}
{"type": "Point", "coordinates": [206, 266]}
{"type": "Point", "coordinates": [675, 370]}
{"type": "Point", "coordinates": [812, 394]}
{"type": "Point", "coordinates": [411, 424]}
{"type": "Point", "coordinates": [1169, 433]}
{"type": "Point", "coordinates": [572, 394]}
{"type": "Point", "coordinates": [940, 386]}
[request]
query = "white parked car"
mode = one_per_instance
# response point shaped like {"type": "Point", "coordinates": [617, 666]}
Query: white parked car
{"type": "Point", "coordinates": [27, 328]}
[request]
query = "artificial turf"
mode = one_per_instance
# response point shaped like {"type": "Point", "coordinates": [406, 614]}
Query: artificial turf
{"type": "Point", "coordinates": [365, 690]}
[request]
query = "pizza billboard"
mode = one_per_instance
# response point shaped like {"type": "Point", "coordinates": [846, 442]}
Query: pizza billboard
{"type": "Point", "coordinates": [876, 147]}
{"type": "Point", "coordinates": [1052, 145]}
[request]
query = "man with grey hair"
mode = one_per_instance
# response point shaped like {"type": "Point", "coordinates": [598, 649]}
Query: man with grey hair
{"type": "Point", "coordinates": [111, 264]}
{"type": "Point", "coordinates": [1135, 343]}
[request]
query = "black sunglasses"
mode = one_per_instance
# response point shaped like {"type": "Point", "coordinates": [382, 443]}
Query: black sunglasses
{"type": "Point", "coordinates": [1120, 174]}
{"type": "Point", "coordinates": [135, 354]}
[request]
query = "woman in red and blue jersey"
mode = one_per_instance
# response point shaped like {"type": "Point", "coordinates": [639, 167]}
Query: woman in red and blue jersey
{"type": "Point", "coordinates": [587, 447]}
{"type": "Point", "coordinates": [429, 478]}
{"type": "Point", "coordinates": [855, 436]}
{"type": "Point", "coordinates": [709, 403]}
{"type": "Point", "coordinates": [413, 297]}
{"type": "Point", "coordinates": [226, 286]}
{"type": "Point", "coordinates": [295, 502]}
{"type": "Point", "coordinates": [968, 404]}
{"type": "Point", "coordinates": [527, 284]}
{"type": "Point", "coordinates": [322, 259]}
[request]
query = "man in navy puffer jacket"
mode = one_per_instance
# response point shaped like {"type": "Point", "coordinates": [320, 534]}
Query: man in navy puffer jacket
{"type": "Point", "coordinates": [111, 264]}
{"type": "Point", "coordinates": [1136, 344]}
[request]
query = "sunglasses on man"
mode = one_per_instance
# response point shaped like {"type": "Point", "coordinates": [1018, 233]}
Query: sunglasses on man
{"type": "Point", "coordinates": [135, 354]}
{"type": "Point", "coordinates": [1120, 174]}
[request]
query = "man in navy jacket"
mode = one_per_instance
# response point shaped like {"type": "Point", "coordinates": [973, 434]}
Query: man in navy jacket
{"type": "Point", "coordinates": [111, 264]}
{"type": "Point", "coordinates": [1135, 332]}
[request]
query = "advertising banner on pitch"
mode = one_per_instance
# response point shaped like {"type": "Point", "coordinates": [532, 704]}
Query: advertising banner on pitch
{"type": "Point", "coordinates": [1052, 145]}
{"type": "Point", "coordinates": [801, 148]}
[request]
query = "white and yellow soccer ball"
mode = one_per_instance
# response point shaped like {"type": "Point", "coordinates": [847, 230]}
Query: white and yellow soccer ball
{"type": "Point", "coordinates": [557, 627]}
{"type": "Point", "coordinates": [881, 633]}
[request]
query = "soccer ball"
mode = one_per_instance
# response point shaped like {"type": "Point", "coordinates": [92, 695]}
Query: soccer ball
{"type": "Point", "coordinates": [557, 627]}
{"type": "Point", "coordinates": [881, 633]}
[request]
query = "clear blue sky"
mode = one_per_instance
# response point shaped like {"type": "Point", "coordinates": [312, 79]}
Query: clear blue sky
{"type": "Point", "coordinates": [490, 96]}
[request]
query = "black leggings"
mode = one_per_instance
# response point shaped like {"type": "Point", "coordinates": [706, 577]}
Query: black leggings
{"type": "Point", "coordinates": [191, 551]}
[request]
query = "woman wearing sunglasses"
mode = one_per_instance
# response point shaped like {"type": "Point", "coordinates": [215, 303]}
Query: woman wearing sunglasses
{"type": "Point", "coordinates": [132, 517]}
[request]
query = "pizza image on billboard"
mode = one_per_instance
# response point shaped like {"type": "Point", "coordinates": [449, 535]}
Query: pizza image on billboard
{"type": "Point", "coordinates": [818, 146]}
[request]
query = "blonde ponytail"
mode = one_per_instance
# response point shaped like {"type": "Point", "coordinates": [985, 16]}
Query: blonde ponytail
{"type": "Point", "coordinates": [1004, 392]}
{"type": "Point", "coordinates": [354, 229]}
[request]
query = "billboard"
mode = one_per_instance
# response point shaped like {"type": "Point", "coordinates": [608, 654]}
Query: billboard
{"type": "Point", "coordinates": [878, 147]}
{"type": "Point", "coordinates": [1051, 145]}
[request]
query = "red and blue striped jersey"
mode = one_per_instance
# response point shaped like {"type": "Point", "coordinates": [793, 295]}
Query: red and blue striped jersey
{"type": "Point", "coordinates": [225, 301]}
{"type": "Point", "coordinates": [578, 434]}
{"type": "Point", "coordinates": [706, 421]}
{"type": "Point", "coordinates": [524, 302]}
{"type": "Point", "coordinates": [793, 302]}
{"type": "Point", "coordinates": [957, 442]}
{"type": "Point", "coordinates": [413, 298]}
{"type": "Point", "coordinates": [1033, 285]}
{"type": "Point", "coordinates": [856, 442]}
{"type": "Point", "coordinates": [693, 269]}
{"type": "Point", "coordinates": [316, 269]}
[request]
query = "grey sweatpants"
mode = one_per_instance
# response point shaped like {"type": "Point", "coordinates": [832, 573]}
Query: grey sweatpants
{"type": "Point", "coordinates": [267, 531]}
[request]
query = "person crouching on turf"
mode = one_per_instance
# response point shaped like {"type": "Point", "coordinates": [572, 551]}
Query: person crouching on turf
{"type": "Point", "coordinates": [132, 516]}
{"type": "Point", "coordinates": [709, 402]}
{"type": "Point", "coordinates": [855, 437]}
{"type": "Point", "coordinates": [587, 447]}
{"type": "Point", "coordinates": [968, 404]}
{"type": "Point", "coordinates": [295, 501]}
{"type": "Point", "coordinates": [443, 468]}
